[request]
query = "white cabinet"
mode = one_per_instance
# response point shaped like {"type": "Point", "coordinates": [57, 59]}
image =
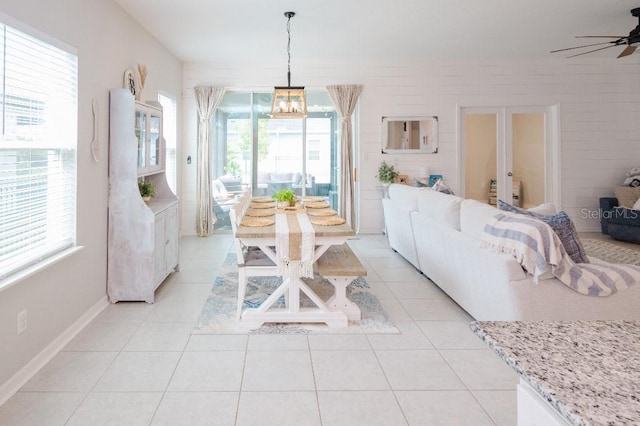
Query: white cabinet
{"type": "Point", "coordinates": [533, 410]}
{"type": "Point", "coordinates": [143, 237]}
{"type": "Point", "coordinates": [165, 250]}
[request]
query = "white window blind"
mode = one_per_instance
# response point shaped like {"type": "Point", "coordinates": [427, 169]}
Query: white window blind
{"type": "Point", "coordinates": [38, 125]}
{"type": "Point", "coordinates": [169, 130]}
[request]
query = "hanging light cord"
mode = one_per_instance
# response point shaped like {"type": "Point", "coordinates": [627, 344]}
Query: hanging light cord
{"type": "Point", "coordinates": [289, 50]}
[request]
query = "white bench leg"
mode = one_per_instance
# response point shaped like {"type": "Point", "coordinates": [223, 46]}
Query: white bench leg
{"type": "Point", "coordinates": [242, 289]}
{"type": "Point", "coordinates": [340, 302]}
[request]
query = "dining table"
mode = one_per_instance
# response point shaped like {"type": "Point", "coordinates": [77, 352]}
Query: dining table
{"type": "Point", "coordinates": [293, 285]}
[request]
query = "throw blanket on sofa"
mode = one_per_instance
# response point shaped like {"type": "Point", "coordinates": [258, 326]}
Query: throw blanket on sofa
{"type": "Point", "coordinates": [539, 250]}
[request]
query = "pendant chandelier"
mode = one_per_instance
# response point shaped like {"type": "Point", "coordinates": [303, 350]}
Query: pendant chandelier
{"type": "Point", "coordinates": [288, 101]}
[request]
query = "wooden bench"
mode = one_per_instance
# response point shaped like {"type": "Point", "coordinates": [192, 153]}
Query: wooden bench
{"type": "Point", "coordinates": [341, 266]}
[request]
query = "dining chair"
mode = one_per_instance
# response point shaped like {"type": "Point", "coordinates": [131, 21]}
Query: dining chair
{"type": "Point", "coordinates": [252, 262]}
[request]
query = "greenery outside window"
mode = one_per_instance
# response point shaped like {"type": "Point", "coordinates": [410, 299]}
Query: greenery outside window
{"type": "Point", "coordinates": [254, 150]}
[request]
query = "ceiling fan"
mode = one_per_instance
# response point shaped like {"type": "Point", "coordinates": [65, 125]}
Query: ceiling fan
{"type": "Point", "coordinates": [629, 41]}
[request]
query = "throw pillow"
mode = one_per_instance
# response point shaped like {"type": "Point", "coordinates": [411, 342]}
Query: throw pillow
{"type": "Point", "coordinates": [627, 196]}
{"type": "Point", "coordinates": [546, 209]}
{"type": "Point", "coordinates": [562, 225]}
{"type": "Point", "coordinates": [441, 187]}
{"type": "Point", "coordinates": [636, 206]}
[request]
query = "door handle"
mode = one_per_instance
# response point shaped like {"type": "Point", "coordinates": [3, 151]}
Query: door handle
{"type": "Point", "coordinates": [509, 174]}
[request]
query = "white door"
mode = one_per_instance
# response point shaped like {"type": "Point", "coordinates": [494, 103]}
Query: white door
{"type": "Point", "coordinates": [509, 153]}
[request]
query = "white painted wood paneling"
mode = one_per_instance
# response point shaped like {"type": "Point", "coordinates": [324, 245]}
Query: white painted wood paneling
{"type": "Point", "coordinates": [598, 101]}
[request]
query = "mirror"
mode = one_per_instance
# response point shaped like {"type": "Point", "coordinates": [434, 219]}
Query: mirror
{"type": "Point", "coordinates": [410, 135]}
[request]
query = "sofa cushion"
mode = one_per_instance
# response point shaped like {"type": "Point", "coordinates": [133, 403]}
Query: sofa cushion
{"type": "Point", "coordinates": [405, 195]}
{"type": "Point", "coordinates": [281, 177]}
{"type": "Point", "coordinates": [563, 226]}
{"type": "Point", "coordinates": [627, 196]}
{"type": "Point", "coordinates": [474, 215]}
{"type": "Point", "coordinates": [263, 177]}
{"type": "Point", "coordinates": [296, 178]}
{"type": "Point", "coordinates": [440, 207]}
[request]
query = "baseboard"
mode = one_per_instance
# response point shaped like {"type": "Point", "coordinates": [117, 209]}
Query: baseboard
{"type": "Point", "coordinates": [13, 385]}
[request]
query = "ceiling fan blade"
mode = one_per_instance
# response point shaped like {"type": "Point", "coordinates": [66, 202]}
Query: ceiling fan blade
{"type": "Point", "coordinates": [591, 51]}
{"type": "Point", "coordinates": [627, 51]}
{"type": "Point", "coordinates": [592, 36]}
{"type": "Point", "coordinates": [579, 47]}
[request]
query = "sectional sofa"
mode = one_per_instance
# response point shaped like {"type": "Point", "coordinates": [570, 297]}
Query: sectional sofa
{"type": "Point", "coordinates": [440, 235]}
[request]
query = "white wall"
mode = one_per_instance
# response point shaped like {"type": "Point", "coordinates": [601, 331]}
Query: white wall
{"type": "Point", "coordinates": [599, 99]}
{"type": "Point", "coordinates": [108, 42]}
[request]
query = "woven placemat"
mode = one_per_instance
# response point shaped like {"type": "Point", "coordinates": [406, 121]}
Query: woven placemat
{"type": "Point", "coordinates": [259, 212]}
{"type": "Point", "coordinates": [321, 205]}
{"type": "Point", "coordinates": [322, 213]}
{"type": "Point", "coordinates": [262, 205]}
{"type": "Point", "coordinates": [256, 222]}
{"type": "Point", "coordinates": [262, 200]}
{"type": "Point", "coordinates": [327, 221]}
{"type": "Point", "coordinates": [289, 209]}
{"type": "Point", "coordinates": [311, 199]}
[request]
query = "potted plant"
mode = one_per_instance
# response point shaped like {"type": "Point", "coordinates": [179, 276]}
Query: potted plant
{"type": "Point", "coordinates": [285, 196]}
{"type": "Point", "coordinates": [147, 190]}
{"type": "Point", "coordinates": [387, 174]}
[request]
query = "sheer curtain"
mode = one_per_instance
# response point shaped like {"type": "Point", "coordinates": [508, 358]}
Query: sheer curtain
{"type": "Point", "coordinates": [207, 100]}
{"type": "Point", "coordinates": [344, 98]}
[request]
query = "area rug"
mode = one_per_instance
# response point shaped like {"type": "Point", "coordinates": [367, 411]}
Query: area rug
{"type": "Point", "coordinates": [218, 315]}
{"type": "Point", "coordinates": [610, 252]}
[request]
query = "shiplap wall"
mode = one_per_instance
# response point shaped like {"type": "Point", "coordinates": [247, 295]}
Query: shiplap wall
{"type": "Point", "coordinates": [599, 101]}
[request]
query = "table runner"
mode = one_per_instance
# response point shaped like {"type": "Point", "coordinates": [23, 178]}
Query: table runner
{"type": "Point", "coordinates": [295, 242]}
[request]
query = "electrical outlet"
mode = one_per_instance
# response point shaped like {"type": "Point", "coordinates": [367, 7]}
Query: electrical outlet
{"type": "Point", "coordinates": [22, 321]}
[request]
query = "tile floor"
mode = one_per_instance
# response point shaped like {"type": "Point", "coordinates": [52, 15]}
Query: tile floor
{"type": "Point", "coordinates": [138, 364]}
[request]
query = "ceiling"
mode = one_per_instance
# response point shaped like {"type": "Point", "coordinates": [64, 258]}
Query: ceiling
{"type": "Point", "coordinates": [379, 31]}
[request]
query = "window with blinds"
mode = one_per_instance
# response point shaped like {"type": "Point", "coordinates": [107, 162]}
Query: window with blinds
{"type": "Point", "coordinates": [38, 122]}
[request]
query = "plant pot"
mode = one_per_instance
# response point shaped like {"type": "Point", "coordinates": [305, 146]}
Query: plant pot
{"type": "Point", "coordinates": [146, 199]}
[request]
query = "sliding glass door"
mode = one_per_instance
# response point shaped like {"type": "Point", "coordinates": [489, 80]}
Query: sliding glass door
{"type": "Point", "coordinates": [254, 150]}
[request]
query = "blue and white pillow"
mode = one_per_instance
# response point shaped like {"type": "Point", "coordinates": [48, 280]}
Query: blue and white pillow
{"type": "Point", "coordinates": [562, 225]}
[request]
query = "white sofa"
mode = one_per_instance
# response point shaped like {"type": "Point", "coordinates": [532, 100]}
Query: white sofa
{"type": "Point", "coordinates": [440, 235]}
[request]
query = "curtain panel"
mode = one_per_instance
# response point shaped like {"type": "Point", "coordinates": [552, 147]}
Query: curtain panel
{"type": "Point", "coordinates": [344, 98]}
{"type": "Point", "coordinates": [207, 99]}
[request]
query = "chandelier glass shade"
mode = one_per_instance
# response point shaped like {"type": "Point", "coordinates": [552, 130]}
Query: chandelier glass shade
{"type": "Point", "coordinates": [288, 101]}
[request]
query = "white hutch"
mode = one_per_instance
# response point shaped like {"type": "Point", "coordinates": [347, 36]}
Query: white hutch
{"type": "Point", "coordinates": [143, 237]}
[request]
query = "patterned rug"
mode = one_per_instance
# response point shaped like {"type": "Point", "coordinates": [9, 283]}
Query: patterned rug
{"type": "Point", "coordinates": [219, 313]}
{"type": "Point", "coordinates": [610, 252]}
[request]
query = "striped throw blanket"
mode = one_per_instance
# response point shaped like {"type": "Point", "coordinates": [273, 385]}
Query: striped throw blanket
{"type": "Point", "coordinates": [295, 242]}
{"type": "Point", "coordinates": [539, 250]}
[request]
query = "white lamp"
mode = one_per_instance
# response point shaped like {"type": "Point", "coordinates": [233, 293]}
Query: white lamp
{"type": "Point", "coordinates": [423, 175]}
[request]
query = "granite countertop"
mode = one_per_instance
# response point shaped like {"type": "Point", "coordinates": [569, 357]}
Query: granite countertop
{"type": "Point", "coordinates": [588, 370]}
